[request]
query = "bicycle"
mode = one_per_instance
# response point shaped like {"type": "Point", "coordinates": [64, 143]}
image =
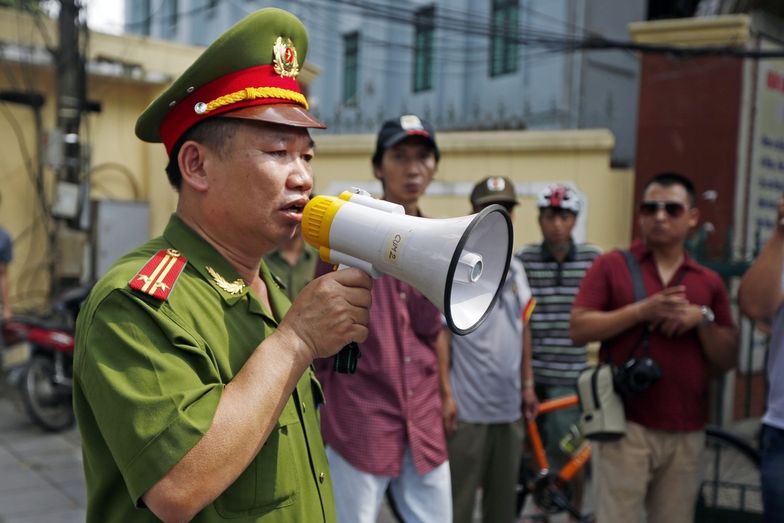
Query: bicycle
{"type": "Point", "coordinates": [730, 487]}
{"type": "Point", "coordinates": [549, 488]}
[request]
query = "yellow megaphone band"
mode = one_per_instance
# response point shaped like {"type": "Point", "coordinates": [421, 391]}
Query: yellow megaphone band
{"type": "Point", "coordinates": [317, 220]}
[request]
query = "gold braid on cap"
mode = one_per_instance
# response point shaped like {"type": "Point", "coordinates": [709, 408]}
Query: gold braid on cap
{"type": "Point", "coordinates": [251, 93]}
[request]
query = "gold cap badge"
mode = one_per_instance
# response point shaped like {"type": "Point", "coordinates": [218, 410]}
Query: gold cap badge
{"type": "Point", "coordinates": [286, 63]}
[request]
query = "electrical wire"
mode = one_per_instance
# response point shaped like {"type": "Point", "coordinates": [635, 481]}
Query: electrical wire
{"type": "Point", "coordinates": [42, 218]}
{"type": "Point", "coordinates": [459, 21]}
{"type": "Point", "coordinates": [25, 152]}
{"type": "Point", "coordinates": [118, 167]}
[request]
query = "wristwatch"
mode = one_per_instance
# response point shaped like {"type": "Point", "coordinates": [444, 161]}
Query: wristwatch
{"type": "Point", "coordinates": [707, 315]}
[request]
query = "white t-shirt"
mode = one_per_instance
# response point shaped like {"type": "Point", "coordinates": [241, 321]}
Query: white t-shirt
{"type": "Point", "coordinates": [485, 373]}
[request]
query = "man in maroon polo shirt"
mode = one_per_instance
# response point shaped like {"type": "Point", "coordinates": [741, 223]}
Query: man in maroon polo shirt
{"type": "Point", "coordinates": [654, 468]}
{"type": "Point", "coordinates": [382, 426]}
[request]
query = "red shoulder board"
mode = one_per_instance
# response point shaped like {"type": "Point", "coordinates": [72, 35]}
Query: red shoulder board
{"type": "Point", "coordinates": [159, 275]}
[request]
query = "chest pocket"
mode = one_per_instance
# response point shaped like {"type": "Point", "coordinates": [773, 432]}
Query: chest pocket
{"type": "Point", "coordinates": [271, 479]}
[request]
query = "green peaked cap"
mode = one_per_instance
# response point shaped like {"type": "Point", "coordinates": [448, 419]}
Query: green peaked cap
{"type": "Point", "coordinates": [224, 65]}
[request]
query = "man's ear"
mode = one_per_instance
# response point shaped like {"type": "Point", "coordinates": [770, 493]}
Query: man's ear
{"type": "Point", "coordinates": [694, 217]}
{"type": "Point", "coordinates": [191, 161]}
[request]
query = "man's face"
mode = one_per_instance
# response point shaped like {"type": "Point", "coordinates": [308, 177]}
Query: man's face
{"type": "Point", "coordinates": [665, 215]}
{"type": "Point", "coordinates": [406, 170]}
{"type": "Point", "coordinates": [556, 225]}
{"type": "Point", "coordinates": [261, 183]}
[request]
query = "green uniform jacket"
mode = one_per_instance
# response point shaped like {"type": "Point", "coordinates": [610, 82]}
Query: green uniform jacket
{"type": "Point", "coordinates": [148, 375]}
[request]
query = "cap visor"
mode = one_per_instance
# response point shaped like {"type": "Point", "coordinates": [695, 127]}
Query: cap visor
{"type": "Point", "coordinates": [494, 199]}
{"type": "Point", "coordinates": [402, 135]}
{"type": "Point", "coordinates": [284, 114]}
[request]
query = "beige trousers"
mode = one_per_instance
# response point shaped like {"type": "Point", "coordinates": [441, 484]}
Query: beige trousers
{"type": "Point", "coordinates": [648, 472]}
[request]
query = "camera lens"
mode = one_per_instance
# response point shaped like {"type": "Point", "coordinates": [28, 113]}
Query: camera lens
{"type": "Point", "coordinates": [639, 379]}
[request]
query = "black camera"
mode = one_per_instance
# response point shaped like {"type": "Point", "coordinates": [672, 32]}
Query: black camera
{"type": "Point", "coordinates": [636, 375]}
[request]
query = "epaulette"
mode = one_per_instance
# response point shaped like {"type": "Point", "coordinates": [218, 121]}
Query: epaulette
{"type": "Point", "coordinates": [158, 276]}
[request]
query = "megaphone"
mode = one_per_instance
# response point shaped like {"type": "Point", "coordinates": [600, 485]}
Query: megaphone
{"type": "Point", "coordinates": [459, 264]}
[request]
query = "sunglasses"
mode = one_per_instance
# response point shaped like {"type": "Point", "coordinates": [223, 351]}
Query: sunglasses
{"type": "Point", "coordinates": [673, 209]}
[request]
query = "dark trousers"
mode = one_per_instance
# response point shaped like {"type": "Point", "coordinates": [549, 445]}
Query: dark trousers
{"type": "Point", "coordinates": [772, 472]}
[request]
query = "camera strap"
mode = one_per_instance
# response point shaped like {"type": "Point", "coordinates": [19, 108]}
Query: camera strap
{"type": "Point", "coordinates": [640, 293]}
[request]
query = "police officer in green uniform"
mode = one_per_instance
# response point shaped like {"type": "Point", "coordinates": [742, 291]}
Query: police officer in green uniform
{"type": "Point", "coordinates": [192, 382]}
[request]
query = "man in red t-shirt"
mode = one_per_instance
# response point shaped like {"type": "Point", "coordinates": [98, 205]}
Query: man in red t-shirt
{"type": "Point", "coordinates": [687, 323]}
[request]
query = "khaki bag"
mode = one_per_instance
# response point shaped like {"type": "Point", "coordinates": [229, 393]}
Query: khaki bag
{"type": "Point", "coordinates": [602, 417]}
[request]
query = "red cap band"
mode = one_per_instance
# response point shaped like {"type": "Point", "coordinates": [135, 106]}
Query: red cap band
{"type": "Point", "coordinates": [185, 113]}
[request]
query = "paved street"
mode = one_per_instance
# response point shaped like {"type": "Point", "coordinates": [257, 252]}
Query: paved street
{"type": "Point", "coordinates": [41, 478]}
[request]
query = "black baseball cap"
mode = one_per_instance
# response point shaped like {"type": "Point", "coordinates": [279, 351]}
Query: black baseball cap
{"type": "Point", "coordinates": [396, 130]}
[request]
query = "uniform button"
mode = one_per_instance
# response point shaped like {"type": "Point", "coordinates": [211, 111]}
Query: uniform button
{"type": "Point", "coordinates": [322, 477]}
{"type": "Point", "coordinates": [407, 359]}
{"type": "Point", "coordinates": [402, 295]}
{"type": "Point", "coordinates": [410, 393]}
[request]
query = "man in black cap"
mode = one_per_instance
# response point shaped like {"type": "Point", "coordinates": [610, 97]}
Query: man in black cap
{"type": "Point", "coordinates": [382, 425]}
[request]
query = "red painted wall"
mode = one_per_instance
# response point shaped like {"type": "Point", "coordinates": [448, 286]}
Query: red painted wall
{"type": "Point", "coordinates": [689, 119]}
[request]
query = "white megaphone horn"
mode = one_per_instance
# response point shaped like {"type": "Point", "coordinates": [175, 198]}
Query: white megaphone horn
{"type": "Point", "coordinates": [459, 264]}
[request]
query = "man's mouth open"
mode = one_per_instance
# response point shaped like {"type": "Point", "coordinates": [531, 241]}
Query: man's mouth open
{"type": "Point", "coordinates": [294, 211]}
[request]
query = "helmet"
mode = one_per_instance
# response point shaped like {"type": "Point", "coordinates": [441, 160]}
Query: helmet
{"type": "Point", "coordinates": [559, 197]}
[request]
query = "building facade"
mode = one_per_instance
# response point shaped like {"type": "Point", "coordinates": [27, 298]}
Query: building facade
{"type": "Point", "coordinates": [463, 64]}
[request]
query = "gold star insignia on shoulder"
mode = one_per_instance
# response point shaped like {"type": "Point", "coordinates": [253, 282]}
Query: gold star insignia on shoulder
{"type": "Point", "coordinates": [232, 287]}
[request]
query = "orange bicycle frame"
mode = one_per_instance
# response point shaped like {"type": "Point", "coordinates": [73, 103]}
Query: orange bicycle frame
{"type": "Point", "coordinates": [577, 461]}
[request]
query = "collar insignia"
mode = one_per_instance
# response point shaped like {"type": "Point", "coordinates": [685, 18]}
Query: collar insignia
{"type": "Point", "coordinates": [286, 63]}
{"type": "Point", "coordinates": [234, 287]}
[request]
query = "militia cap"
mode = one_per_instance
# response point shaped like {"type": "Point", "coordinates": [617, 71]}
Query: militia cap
{"type": "Point", "coordinates": [249, 72]}
{"type": "Point", "coordinates": [493, 189]}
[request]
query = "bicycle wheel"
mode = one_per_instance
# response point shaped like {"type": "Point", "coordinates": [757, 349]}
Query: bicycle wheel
{"type": "Point", "coordinates": [730, 488]}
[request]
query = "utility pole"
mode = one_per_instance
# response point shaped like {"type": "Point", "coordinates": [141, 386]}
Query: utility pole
{"type": "Point", "coordinates": [70, 90]}
{"type": "Point", "coordinates": [71, 94]}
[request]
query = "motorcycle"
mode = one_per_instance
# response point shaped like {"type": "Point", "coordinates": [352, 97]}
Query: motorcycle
{"type": "Point", "coordinates": [37, 360]}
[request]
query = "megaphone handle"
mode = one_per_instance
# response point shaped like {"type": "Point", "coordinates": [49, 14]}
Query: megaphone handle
{"type": "Point", "coordinates": [346, 359]}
